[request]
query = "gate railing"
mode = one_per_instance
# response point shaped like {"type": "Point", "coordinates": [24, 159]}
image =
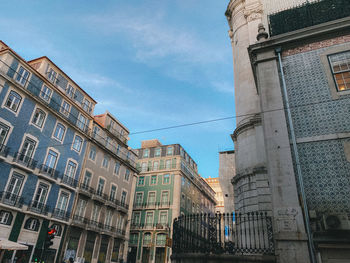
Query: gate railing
{"type": "Point", "coordinates": [230, 233]}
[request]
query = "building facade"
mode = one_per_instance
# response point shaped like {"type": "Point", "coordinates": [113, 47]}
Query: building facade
{"type": "Point", "coordinates": [43, 141]}
{"type": "Point", "coordinates": [101, 218]}
{"type": "Point", "coordinates": [219, 197]}
{"type": "Point", "coordinates": [61, 166]}
{"type": "Point", "coordinates": [292, 147]}
{"type": "Point", "coordinates": [168, 186]}
{"type": "Point", "coordinates": [226, 174]}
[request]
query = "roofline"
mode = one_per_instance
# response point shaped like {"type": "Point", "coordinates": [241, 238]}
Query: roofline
{"type": "Point", "coordinates": [229, 151]}
{"type": "Point", "coordinates": [42, 57]}
{"type": "Point", "coordinates": [114, 118]}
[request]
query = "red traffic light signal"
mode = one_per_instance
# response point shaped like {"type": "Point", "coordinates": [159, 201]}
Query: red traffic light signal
{"type": "Point", "coordinates": [50, 235]}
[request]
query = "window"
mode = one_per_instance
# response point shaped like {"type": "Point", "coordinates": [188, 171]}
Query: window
{"type": "Point", "coordinates": [167, 164]}
{"type": "Point", "coordinates": [151, 198]}
{"type": "Point", "coordinates": [96, 131]}
{"type": "Point", "coordinates": [27, 150]}
{"type": "Point", "coordinates": [4, 129]}
{"type": "Point", "coordinates": [149, 218]}
{"type": "Point", "coordinates": [58, 229]}
{"type": "Point", "coordinates": [155, 165]}
{"type": "Point", "coordinates": [70, 91]}
{"type": "Point", "coordinates": [105, 161]}
{"type": "Point", "coordinates": [65, 108]}
{"type": "Point", "coordinates": [173, 163]}
{"type": "Point", "coordinates": [136, 218]}
{"type": "Point", "coordinates": [100, 186]}
{"type": "Point", "coordinates": [95, 213]}
{"type": "Point", "coordinates": [153, 179]}
{"type": "Point", "coordinates": [165, 197]}
{"type": "Point", "coordinates": [182, 152]}
{"type": "Point", "coordinates": [87, 105]}
{"type": "Point", "coordinates": [107, 141]}
{"type": "Point", "coordinates": [340, 66]}
{"type": "Point", "coordinates": [5, 217]}
{"type": "Point", "coordinates": [123, 198]}
{"type": "Point", "coordinates": [13, 189]}
{"type": "Point", "coordinates": [62, 204]}
{"type": "Point", "coordinates": [147, 238]}
{"type": "Point", "coordinates": [13, 101]}
{"type": "Point", "coordinates": [163, 217]}
{"type": "Point", "coordinates": [127, 174]}
{"type": "Point", "coordinates": [113, 193]}
{"type": "Point", "coordinates": [45, 93]}
{"type": "Point", "coordinates": [38, 118]}
{"type": "Point", "coordinates": [117, 168]}
{"type": "Point", "coordinates": [141, 180]}
{"type": "Point", "coordinates": [81, 207]}
{"type": "Point", "coordinates": [32, 224]}
{"type": "Point", "coordinates": [87, 179]}
{"type": "Point", "coordinates": [143, 167]}
{"type": "Point", "coordinates": [22, 76]}
{"type": "Point", "coordinates": [92, 154]}
{"type": "Point", "coordinates": [51, 75]}
{"type": "Point", "coordinates": [145, 153]}
{"type": "Point", "coordinates": [71, 169]}
{"type": "Point", "coordinates": [139, 199]}
{"type": "Point", "coordinates": [81, 122]}
{"type": "Point", "coordinates": [157, 152]}
{"type": "Point", "coordinates": [59, 132]}
{"type": "Point", "coordinates": [50, 162]}
{"type": "Point", "coordinates": [108, 220]}
{"type": "Point", "coordinates": [161, 240]}
{"type": "Point", "coordinates": [166, 178]}
{"type": "Point", "coordinates": [40, 196]}
{"type": "Point", "coordinates": [169, 150]}
{"type": "Point", "coordinates": [77, 144]}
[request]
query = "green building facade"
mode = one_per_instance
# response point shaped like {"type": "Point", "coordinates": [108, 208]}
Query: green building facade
{"type": "Point", "coordinates": [168, 186]}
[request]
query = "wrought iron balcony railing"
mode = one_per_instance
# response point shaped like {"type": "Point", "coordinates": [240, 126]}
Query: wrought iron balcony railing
{"type": "Point", "coordinates": [87, 189]}
{"type": "Point", "coordinates": [38, 207]}
{"type": "Point", "coordinates": [46, 170]}
{"type": "Point", "coordinates": [80, 219]}
{"type": "Point", "coordinates": [24, 160]}
{"type": "Point", "coordinates": [117, 134]}
{"type": "Point", "coordinates": [250, 233]}
{"type": "Point", "coordinates": [61, 214]}
{"type": "Point", "coordinates": [70, 181]}
{"type": "Point", "coordinates": [11, 199]}
{"type": "Point", "coordinates": [307, 15]}
{"type": "Point", "coordinates": [4, 150]}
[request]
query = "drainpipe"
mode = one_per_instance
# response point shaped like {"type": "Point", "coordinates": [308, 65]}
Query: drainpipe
{"type": "Point", "coordinates": [296, 156]}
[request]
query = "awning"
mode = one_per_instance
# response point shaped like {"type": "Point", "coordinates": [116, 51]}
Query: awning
{"type": "Point", "coordinates": [10, 245]}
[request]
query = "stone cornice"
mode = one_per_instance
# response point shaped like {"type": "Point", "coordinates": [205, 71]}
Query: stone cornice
{"type": "Point", "coordinates": [246, 124]}
{"type": "Point", "coordinates": [249, 172]}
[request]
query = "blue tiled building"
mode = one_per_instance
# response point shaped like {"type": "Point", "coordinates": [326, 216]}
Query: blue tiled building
{"type": "Point", "coordinates": [44, 123]}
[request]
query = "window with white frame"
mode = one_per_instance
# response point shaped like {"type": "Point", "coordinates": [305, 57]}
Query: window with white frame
{"type": "Point", "coordinates": [65, 108]}
{"type": "Point", "coordinates": [13, 189]}
{"type": "Point", "coordinates": [22, 76]}
{"type": "Point", "coordinates": [92, 153]}
{"type": "Point", "coordinates": [155, 165]}
{"type": "Point", "coordinates": [71, 169]}
{"type": "Point", "coordinates": [141, 180]}
{"type": "Point", "coordinates": [169, 150]}
{"type": "Point", "coordinates": [46, 93]}
{"type": "Point", "coordinates": [5, 217]}
{"type": "Point", "coordinates": [123, 197]}
{"type": "Point", "coordinates": [153, 180]}
{"type": "Point", "coordinates": [157, 152]}
{"type": "Point", "coordinates": [145, 153]}
{"type": "Point", "coordinates": [50, 162]}
{"type": "Point", "coordinates": [70, 91]}
{"type": "Point", "coordinates": [51, 75]}
{"type": "Point", "coordinates": [4, 130]}
{"type": "Point", "coordinates": [147, 238]}
{"type": "Point", "coordinates": [96, 131]}
{"type": "Point", "coordinates": [105, 161]}
{"type": "Point", "coordinates": [166, 178]}
{"type": "Point", "coordinates": [87, 179]}
{"type": "Point", "coordinates": [151, 198]}
{"type": "Point", "coordinates": [81, 207]}
{"type": "Point", "coordinates": [13, 101]}
{"type": "Point", "coordinates": [59, 132]}
{"type": "Point", "coordinates": [139, 198]}
{"type": "Point", "coordinates": [116, 168]}
{"type": "Point", "coordinates": [165, 197]}
{"type": "Point", "coordinates": [167, 164]}
{"type": "Point", "coordinates": [113, 193]}
{"type": "Point", "coordinates": [161, 239]}
{"type": "Point", "coordinates": [127, 174]}
{"type": "Point", "coordinates": [32, 224]}
{"type": "Point", "coordinates": [340, 66]}
{"type": "Point", "coordinates": [27, 150]}
{"type": "Point", "coordinates": [100, 186]}
{"type": "Point", "coordinates": [108, 220]}
{"type": "Point", "coordinates": [62, 203]}
{"type": "Point", "coordinates": [81, 123]}
{"type": "Point", "coordinates": [149, 218]}
{"type": "Point", "coordinates": [87, 105]}
{"type": "Point", "coordinates": [95, 213]}
{"type": "Point", "coordinates": [143, 167]}
{"type": "Point", "coordinates": [136, 218]}
{"type": "Point", "coordinates": [77, 143]}
{"type": "Point", "coordinates": [40, 196]}
{"type": "Point", "coordinates": [38, 118]}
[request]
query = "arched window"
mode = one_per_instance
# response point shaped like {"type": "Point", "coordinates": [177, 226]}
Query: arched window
{"type": "Point", "coordinates": [161, 238]}
{"type": "Point", "coordinates": [58, 229]}
{"type": "Point", "coordinates": [147, 239]}
{"type": "Point", "coordinates": [32, 224]}
{"type": "Point", "coordinates": [5, 217]}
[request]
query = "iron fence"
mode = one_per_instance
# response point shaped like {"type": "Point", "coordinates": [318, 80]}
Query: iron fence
{"type": "Point", "coordinates": [230, 233]}
{"type": "Point", "coordinates": [307, 15]}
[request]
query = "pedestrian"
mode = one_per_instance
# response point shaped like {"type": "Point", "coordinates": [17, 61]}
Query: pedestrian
{"type": "Point", "coordinates": [71, 260]}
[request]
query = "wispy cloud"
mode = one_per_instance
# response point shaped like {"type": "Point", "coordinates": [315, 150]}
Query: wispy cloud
{"type": "Point", "coordinates": [223, 86]}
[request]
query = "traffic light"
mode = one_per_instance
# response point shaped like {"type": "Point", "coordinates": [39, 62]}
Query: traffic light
{"type": "Point", "coordinates": [50, 235]}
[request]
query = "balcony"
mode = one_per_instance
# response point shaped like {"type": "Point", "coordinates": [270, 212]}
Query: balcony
{"type": "Point", "coordinates": [117, 134]}
{"type": "Point", "coordinates": [123, 206]}
{"type": "Point", "coordinates": [85, 189]}
{"type": "Point", "coordinates": [4, 150]}
{"type": "Point", "coordinates": [11, 199]}
{"type": "Point", "coordinates": [68, 180]}
{"type": "Point", "coordinates": [48, 171]}
{"type": "Point", "coordinates": [95, 225]}
{"type": "Point", "coordinates": [307, 15]}
{"type": "Point", "coordinates": [61, 214]}
{"type": "Point", "coordinates": [24, 160]}
{"type": "Point", "coordinates": [39, 208]}
{"type": "Point", "coordinates": [223, 234]}
{"type": "Point", "coordinates": [100, 197]}
{"type": "Point", "coordinates": [79, 221]}
{"type": "Point", "coordinates": [152, 205]}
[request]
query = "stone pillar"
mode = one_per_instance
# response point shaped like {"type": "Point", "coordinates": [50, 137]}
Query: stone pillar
{"type": "Point", "coordinates": [289, 228]}
{"type": "Point", "coordinates": [81, 245]}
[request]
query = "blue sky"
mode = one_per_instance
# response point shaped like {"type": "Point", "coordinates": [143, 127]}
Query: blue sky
{"type": "Point", "coordinates": [150, 63]}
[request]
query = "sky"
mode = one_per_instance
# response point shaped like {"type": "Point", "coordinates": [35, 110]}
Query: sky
{"type": "Point", "coordinates": [151, 63]}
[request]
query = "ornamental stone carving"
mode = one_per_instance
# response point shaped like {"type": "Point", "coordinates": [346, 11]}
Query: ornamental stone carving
{"type": "Point", "coordinates": [253, 13]}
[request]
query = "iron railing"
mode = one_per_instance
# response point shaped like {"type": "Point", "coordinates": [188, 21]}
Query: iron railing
{"type": "Point", "coordinates": [308, 14]}
{"type": "Point", "coordinates": [38, 207]}
{"type": "Point", "coordinates": [46, 170]}
{"type": "Point", "coordinates": [152, 204]}
{"type": "Point", "coordinates": [11, 199]}
{"type": "Point", "coordinates": [61, 214]}
{"type": "Point", "coordinates": [4, 150]}
{"type": "Point", "coordinates": [24, 160]}
{"type": "Point", "coordinates": [70, 181]}
{"type": "Point", "coordinates": [250, 233]}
